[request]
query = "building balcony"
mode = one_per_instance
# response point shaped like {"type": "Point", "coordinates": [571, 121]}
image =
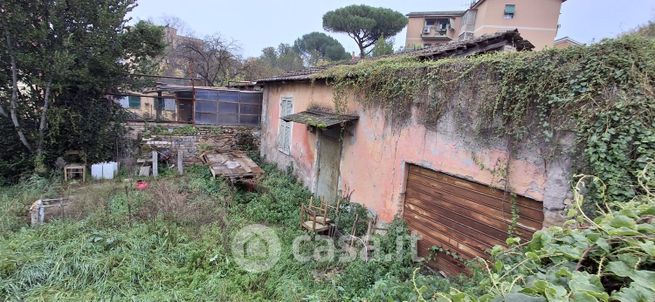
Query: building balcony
{"type": "Point", "coordinates": [434, 33]}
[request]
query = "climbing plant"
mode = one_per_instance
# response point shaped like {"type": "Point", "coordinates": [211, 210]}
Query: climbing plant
{"type": "Point", "coordinates": [602, 93]}
{"type": "Point", "coordinates": [609, 258]}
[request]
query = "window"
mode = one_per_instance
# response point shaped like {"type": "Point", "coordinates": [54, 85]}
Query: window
{"type": "Point", "coordinates": [169, 104]}
{"type": "Point", "coordinates": [510, 10]}
{"type": "Point", "coordinates": [206, 112]}
{"type": "Point", "coordinates": [284, 134]}
{"type": "Point", "coordinates": [426, 45]}
{"type": "Point", "coordinates": [228, 107]}
{"type": "Point", "coordinates": [124, 102]}
{"type": "Point", "coordinates": [429, 23]}
{"type": "Point", "coordinates": [134, 102]}
{"type": "Point", "coordinates": [166, 104]}
{"type": "Point", "coordinates": [443, 24]}
{"type": "Point", "coordinates": [250, 108]}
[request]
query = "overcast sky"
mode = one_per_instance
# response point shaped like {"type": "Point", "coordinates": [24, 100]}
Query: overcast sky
{"type": "Point", "coordinates": [256, 24]}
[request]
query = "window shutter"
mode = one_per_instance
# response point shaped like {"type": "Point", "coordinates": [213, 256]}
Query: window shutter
{"type": "Point", "coordinates": [284, 134]}
{"type": "Point", "coordinates": [510, 9]}
{"type": "Point", "coordinates": [134, 101]}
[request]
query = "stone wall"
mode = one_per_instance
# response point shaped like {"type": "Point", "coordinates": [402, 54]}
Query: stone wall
{"type": "Point", "coordinates": [193, 140]}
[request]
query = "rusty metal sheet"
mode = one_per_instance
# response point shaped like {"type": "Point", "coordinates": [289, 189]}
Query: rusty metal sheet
{"type": "Point", "coordinates": [463, 216]}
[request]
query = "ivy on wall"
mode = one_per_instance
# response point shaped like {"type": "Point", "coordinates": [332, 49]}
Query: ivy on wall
{"type": "Point", "coordinates": [603, 93]}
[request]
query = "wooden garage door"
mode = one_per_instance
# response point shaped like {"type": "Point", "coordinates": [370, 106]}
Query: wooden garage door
{"type": "Point", "coordinates": [462, 216]}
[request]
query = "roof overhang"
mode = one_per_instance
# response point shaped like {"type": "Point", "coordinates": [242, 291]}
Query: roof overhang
{"type": "Point", "coordinates": [566, 39]}
{"type": "Point", "coordinates": [478, 2]}
{"type": "Point", "coordinates": [436, 14]}
{"type": "Point", "coordinates": [320, 119]}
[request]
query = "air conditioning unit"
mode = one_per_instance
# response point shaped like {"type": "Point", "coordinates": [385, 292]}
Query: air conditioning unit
{"type": "Point", "coordinates": [426, 30]}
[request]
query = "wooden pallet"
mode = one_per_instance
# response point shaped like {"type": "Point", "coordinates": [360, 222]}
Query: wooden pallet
{"type": "Point", "coordinates": [234, 165]}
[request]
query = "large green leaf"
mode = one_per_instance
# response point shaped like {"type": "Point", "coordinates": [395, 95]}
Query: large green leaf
{"type": "Point", "coordinates": [520, 297]}
{"type": "Point", "coordinates": [642, 278]}
{"type": "Point", "coordinates": [634, 293]}
{"type": "Point", "coordinates": [586, 287]}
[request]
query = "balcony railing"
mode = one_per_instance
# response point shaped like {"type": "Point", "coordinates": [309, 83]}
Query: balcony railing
{"type": "Point", "coordinates": [436, 32]}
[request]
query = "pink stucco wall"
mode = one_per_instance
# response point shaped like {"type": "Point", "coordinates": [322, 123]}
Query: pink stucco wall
{"type": "Point", "coordinates": [376, 154]}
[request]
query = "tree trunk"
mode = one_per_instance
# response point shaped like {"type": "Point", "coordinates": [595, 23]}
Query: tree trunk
{"type": "Point", "coordinates": [362, 52]}
{"type": "Point", "coordinates": [14, 95]}
{"type": "Point", "coordinates": [44, 116]}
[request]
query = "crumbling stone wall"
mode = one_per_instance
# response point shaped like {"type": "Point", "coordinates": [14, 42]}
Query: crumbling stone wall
{"type": "Point", "coordinates": [204, 138]}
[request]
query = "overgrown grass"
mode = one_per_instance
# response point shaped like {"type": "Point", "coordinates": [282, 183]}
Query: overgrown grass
{"type": "Point", "coordinates": [15, 201]}
{"type": "Point", "coordinates": [153, 251]}
{"type": "Point", "coordinates": [181, 251]}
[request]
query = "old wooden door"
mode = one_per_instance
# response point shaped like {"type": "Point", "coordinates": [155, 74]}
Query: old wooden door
{"type": "Point", "coordinates": [329, 158]}
{"type": "Point", "coordinates": [463, 217]}
{"type": "Point", "coordinates": [184, 110]}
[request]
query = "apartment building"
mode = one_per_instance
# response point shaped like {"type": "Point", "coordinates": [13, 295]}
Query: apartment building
{"type": "Point", "coordinates": [175, 61]}
{"type": "Point", "coordinates": [536, 21]}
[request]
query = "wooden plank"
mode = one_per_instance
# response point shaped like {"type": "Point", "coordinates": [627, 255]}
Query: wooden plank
{"type": "Point", "coordinates": [470, 185]}
{"type": "Point", "coordinates": [470, 206]}
{"type": "Point", "coordinates": [440, 261]}
{"type": "Point", "coordinates": [445, 234]}
{"type": "Point", "coordinates": [481, 223]}
{"type": "Point", "coordinates": [462, 216]}
{"type": "Point", "coordinates": [489, 194]}
{"type": "Point", "coordinates": [438, 187]}
{"type": "Point", "coordinates": [468, 221]}
{"type": "Point", "coordinates": [467, 235]}
{"type": "Point", "coordinates": [431, 195]}
{"type": "Point", "coordinates": [493, 217]}
{"type": "Point", "coordinates": [432, 238]}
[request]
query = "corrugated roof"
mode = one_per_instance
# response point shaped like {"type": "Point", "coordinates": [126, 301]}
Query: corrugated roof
{"type": "Point", "coordinates": [482, 44]}
{"type": "Point", "coordinates": [443, 13]}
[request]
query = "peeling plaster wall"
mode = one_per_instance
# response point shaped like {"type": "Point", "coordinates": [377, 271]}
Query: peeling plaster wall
{"type": "Point", "coordinates": [302, 157]}
{"type": "Point", "coordinates": [375, 155]}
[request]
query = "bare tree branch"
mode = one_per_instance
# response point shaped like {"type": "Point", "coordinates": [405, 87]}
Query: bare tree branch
{"type": "Point", "coordinates": [214, 59]}
{"type": "Point", "coordinates": [14, 94]}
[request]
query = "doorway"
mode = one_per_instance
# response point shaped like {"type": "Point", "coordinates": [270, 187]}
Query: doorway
{"type": "Point", "coordinates": [329, 159]}
{"type": "Point", "coordinates": [184, 110]}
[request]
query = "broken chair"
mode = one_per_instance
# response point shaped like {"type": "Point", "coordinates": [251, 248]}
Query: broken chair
{"type": "Point", "coordinates": [309, 219]}
{"type": "Point", "coordinates": [316, 217]}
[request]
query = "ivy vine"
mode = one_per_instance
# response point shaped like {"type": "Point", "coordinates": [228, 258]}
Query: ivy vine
{"type": "Point", "coordinates": [603, 93]}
